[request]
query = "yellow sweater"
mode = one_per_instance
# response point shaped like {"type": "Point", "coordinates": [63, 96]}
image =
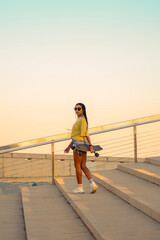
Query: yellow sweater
{"type": "Point", "coordinates": [80, 129]}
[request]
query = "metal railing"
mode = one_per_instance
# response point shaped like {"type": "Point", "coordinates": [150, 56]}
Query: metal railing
{"type": "Point", "coordinates": [93, 131]}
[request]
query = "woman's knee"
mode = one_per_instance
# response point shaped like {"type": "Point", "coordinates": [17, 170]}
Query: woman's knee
{"type": "Point", "coordinates": [77, 167]}
{"type": "Point", "coordinates": [83, 167]}
{"type": "Point", "coordinates": [79, 171]}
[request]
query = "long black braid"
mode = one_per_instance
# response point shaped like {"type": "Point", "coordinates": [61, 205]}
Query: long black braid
{"type": "Point", "coordinates": [84, 111]}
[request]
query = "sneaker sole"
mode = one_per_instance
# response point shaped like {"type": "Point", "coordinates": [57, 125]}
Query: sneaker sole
{"type": "Point", "coordinates": [94, 190]}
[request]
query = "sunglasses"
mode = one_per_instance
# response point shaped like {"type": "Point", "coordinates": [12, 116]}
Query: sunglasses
{"type": "Point", "coordinates": [77, 108]}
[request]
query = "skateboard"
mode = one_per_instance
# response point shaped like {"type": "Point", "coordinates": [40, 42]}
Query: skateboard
{"type": "Point", "coordinates": [81, 148]}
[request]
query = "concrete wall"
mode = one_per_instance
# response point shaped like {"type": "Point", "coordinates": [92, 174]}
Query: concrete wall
{"type": "Point", "coordinates": [1, 166]}
{"type": "Point", "coordinates": [23, 165]}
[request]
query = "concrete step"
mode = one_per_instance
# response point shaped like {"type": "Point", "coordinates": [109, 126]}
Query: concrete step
{"type": "Point", "coordinates": [143, 195]}
{"type": "Point", "coordinates": [153, 160]}
{"type": "Point", "coordinates": [48, 215]}
{"type": "Point", "coordinates": [11, 217]}
{"type": "Point", "coordinates": [107, 216]}
{"type": "Point", "coordinates": [145, 171]}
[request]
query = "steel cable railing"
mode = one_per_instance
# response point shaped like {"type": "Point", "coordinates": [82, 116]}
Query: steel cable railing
{"type": "Point", "coordinates": [112, 139]}
{"type": "Point", "coordinates": [118, 146]}
{"type": "Point", "coordinates": [39, 167]}
{"type": "Point", "coordinates": [41, 175]}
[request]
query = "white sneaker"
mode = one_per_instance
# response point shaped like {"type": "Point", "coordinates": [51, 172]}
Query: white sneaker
{"type": "Point", "coordinates": [78, 190]}
{"type": "Point", "coordinates": [93, 187]}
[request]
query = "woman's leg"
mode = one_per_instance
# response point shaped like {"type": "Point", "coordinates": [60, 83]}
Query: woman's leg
{"type": "Point", "coordinates": [84, 167]}
{"type": "Point", "coordinates": [80, 164]}
{"type": "Point", "coordinates": [93, 186]}
{"type": "Point", "coordinates": [77, 164]}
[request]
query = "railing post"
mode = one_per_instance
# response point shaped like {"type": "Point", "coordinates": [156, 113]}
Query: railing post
{"type": "Point", "coordinates": [53, 163]}
{"type": "Point", "coordinates": [3, 167]}
{"type": "Point", "coordinates": [70, 167]}
{"type": "Point", "coordinates": [135, 143]}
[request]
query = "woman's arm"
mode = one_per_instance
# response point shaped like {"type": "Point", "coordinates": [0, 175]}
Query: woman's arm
{"type": "Point", "coordinates": [69, 147]}
{"type": "Point", "coordinates": [90, 144]}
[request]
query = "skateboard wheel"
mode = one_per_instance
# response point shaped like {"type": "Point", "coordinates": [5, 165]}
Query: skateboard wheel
{"type": "Point", "coordinates": [96, 154]}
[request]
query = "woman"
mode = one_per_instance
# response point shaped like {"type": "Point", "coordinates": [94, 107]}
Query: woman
{"type": "Point", "coordinates": [80, 133]}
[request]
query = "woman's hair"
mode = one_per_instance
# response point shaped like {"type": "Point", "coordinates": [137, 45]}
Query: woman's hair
{"type": "Point", "coordinates": [84, 111]}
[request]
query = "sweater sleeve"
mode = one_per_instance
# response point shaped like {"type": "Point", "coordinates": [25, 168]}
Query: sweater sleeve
{"type": "Point", "coordinates": [84, 128]}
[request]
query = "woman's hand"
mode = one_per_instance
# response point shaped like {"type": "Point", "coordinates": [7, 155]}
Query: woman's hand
{"type": "Point", "coordinates": [91, 149]}
{"type": "Point", "coordinates": [90, 144]}
{"type": "Point", "coordinates": [67, 150]}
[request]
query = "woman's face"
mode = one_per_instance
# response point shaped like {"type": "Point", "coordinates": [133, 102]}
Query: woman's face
{"type": "Point", "coordinates": [79, 110]}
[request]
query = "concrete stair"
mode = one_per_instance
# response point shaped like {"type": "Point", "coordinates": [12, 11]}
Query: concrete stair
{"type": "Point", "coordinates": [153, 160]}
{"type": "Point", "coordinates": [53, 212]}
{"type": "Point", "coordinates": [12, 225]}
{"type": "Point", "coordinates": [141, 194]}
{"type": "Point", "coordinates": [108, 216]}
{"type": "Point", "coordinates": [147, 171]}
{"type": "Point", "coordinates": [48, 216]}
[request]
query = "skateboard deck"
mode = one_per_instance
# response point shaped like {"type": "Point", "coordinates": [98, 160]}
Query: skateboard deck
{"type": "Point", "coordinates": [81, 148]}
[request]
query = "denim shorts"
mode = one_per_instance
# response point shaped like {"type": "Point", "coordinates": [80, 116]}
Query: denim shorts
{"type": "Point", "coordinates": [75, 143]}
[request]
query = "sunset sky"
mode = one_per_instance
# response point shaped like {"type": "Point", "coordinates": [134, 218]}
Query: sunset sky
{"type": "Point", "coordinates": [54, 54]}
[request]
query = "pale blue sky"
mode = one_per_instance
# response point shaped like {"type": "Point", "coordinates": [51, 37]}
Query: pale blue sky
{"type": "Point", "coordinates": [53, 54]}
